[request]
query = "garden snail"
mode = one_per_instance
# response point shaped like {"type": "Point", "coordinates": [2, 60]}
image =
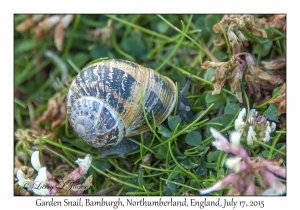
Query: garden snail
{"type": "Point", "coordinates": [104, 102]}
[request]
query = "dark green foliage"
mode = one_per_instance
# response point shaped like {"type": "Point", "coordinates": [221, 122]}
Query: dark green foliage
{"type": "Point", "coordinates": [178, 155]}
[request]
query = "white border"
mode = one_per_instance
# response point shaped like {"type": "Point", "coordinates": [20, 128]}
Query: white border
{"type": "Point", "coordinates": [8, 8]}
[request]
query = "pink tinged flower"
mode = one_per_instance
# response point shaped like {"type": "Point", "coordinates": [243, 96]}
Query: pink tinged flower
{"type": "Point", "coordinates": [35, 161]}
{"type": "Point", "coordinates": [49, 175]}
{"type": "Point", "coordinates": [233, 39]}
{"type": "Point", "coordinates": [54, 190]}
{"type": "Point", "coordinates": [273, 168]}
{"type": "Point", "coordinates": [24, 181]}
{"type": "Point", "coordinates": [40, 183]}
{"type": "Point", "coordinates": [277, 187]}
{"type": "Point", "coordinates": [84, 165]}
{"type": "Point", "coordinates": [250, 189]}
{"type": "Point", "coordinates": [250, 59]}
{"type": "Point", "coordinates": [234, 163]}
{"type": "Point", "coordinates": [220, 184]}
{"type": "Point", "coordinates": [220, 142]}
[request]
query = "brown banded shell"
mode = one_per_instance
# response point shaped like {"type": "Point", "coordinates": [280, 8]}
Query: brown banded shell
{"type": "Point", "coordinates": [104, 102]}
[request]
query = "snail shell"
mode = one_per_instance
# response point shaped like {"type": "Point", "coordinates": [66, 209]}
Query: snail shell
{"type": "Point", "coordinates": [104, 102]}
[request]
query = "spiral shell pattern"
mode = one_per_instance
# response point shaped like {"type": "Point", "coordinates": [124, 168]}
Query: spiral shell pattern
{"type": "Point", "coordinates": [104, 102]}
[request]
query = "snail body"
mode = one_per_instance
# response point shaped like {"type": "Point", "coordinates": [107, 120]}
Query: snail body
{"type": "Point", "coordinates": [105, 101]}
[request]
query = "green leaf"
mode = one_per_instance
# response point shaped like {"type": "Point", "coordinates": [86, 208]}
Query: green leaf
{"type": "Point", "coordinates": [149, 186]}
{"type": "Point", "coordinates": [177, 153]}
{"type": "Point", "coordinates": [174, 173]}
{"type": "Point", "coordinates": [265, 154]}
{"type": "Point", "coordinates": [218, 100]}
{"type": "Point", "coordinates": [231, 98]}
{"type": "Point", "coordinates": [217, 127]}
{"type": "Point", "coordinates": [134, 45]}
{"type": "Point", "coordinates": [270, 113]}
{"type": "Point", "coordinates": [279, 146]}
{"type": "Point", "coordinates": [195, 116]}
{"type": "Point", "coordinates": [211, 20]}
{"type": "Point", "coordinates": [231, 108]}
{"type": "Point", "coordinates": [201, 171]}
{"type": "Point", "coordinates": [161, 153]}
{"type": "Point", "coordinates": [188, 163]}
{"type": "Point", "coordinates": [201, 101]}
{"type": "Point", "coordinates": [82, 144]}
{"type": "Point", "coordinates": [98, 51]}
{"type": "Point", "coordinates": [207, 184]}
{"type": "Point", "coordinates": [226, 119]}
{"type": "Point", "coordinates": [24, 46]}
{"type": "Point", "coordinates": [276, 90]}
{"type": "Point", "coordinates": [220, 174]}
{"type": "Point", "coordinates": [141, 178]}
{"type": "Point", "coordinates": [221, 55]}
{"type": "Point", "coordinates": [263, 49]}
{"type": "Point", "coordinates": [194, 183]}
{"type": "Point", "coordinates": [213, 156]}
{"type": "Point", "coordinates": [134, 182]}
{"type": "Point", "coordinates": [101, 165]}
{"type": "Point", "coordinates": [193, 138]}
{"type": "Point", "coordinates": [163, 130]}
{"type": "Point", "coordinates": [80, 59]}
{"type": "Point", "coordinates": [170, 189]}
{"type": "Point", "coordinates": [210, 157]}
{"type": "Point", "coordinates": [174, 121]}
{"type": "Point", "coordinates": [162, 27]}
{"type": "Point", "coordinates": [208, 74]}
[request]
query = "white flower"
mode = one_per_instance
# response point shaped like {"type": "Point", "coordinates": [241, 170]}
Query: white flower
{"type": "Point", "coordinates": [273, 126]}
{"type": "Point", "coordinates": [234, 163]}
{"type": "Point", "coordinates": [235, 139]}
{"type": "Point", "coordinates": [24, 181]}
{"type": "Point", "coordinates": [252, 113]}
{"type": "Point", "coordinates": [239, 124]}
{"type": "Point", "coordinates": [252, 116]}
{"type": "Point", "coordinates": [267, 137]}
{"type": "Point", "coordinates": [251, 135]}
{"type": "Point", "coordinates": [35, 160]}
{"type": "Point", "coordinates": [242, 113]}
{"type": "Point", "coordinates": [220, 142]}
{"type": "Point", "coordinates": [85, 163]}
{"type": "Point", "coordinates": [268, 129]}
{"type": "Point", "coordinates": [40, 183]}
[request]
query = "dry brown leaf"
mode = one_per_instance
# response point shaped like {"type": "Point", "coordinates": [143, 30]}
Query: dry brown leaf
{"type": "Point", "coordinates": [282, 121]}
{"type": "Point", "coordinates": [59, 31]}
{"type": "Point", "coordinates": [47, 25]}
{"type": "Point", "coordinates": [56, 110]}
{"type": "Point", "coordinates": [277, 21]}
{"type": "Point", "coordinates": [280, 101]}
{"type": "Point", "coordinates": [274, 64]}
{"type": "Point", "coordinates": [234, 26]}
